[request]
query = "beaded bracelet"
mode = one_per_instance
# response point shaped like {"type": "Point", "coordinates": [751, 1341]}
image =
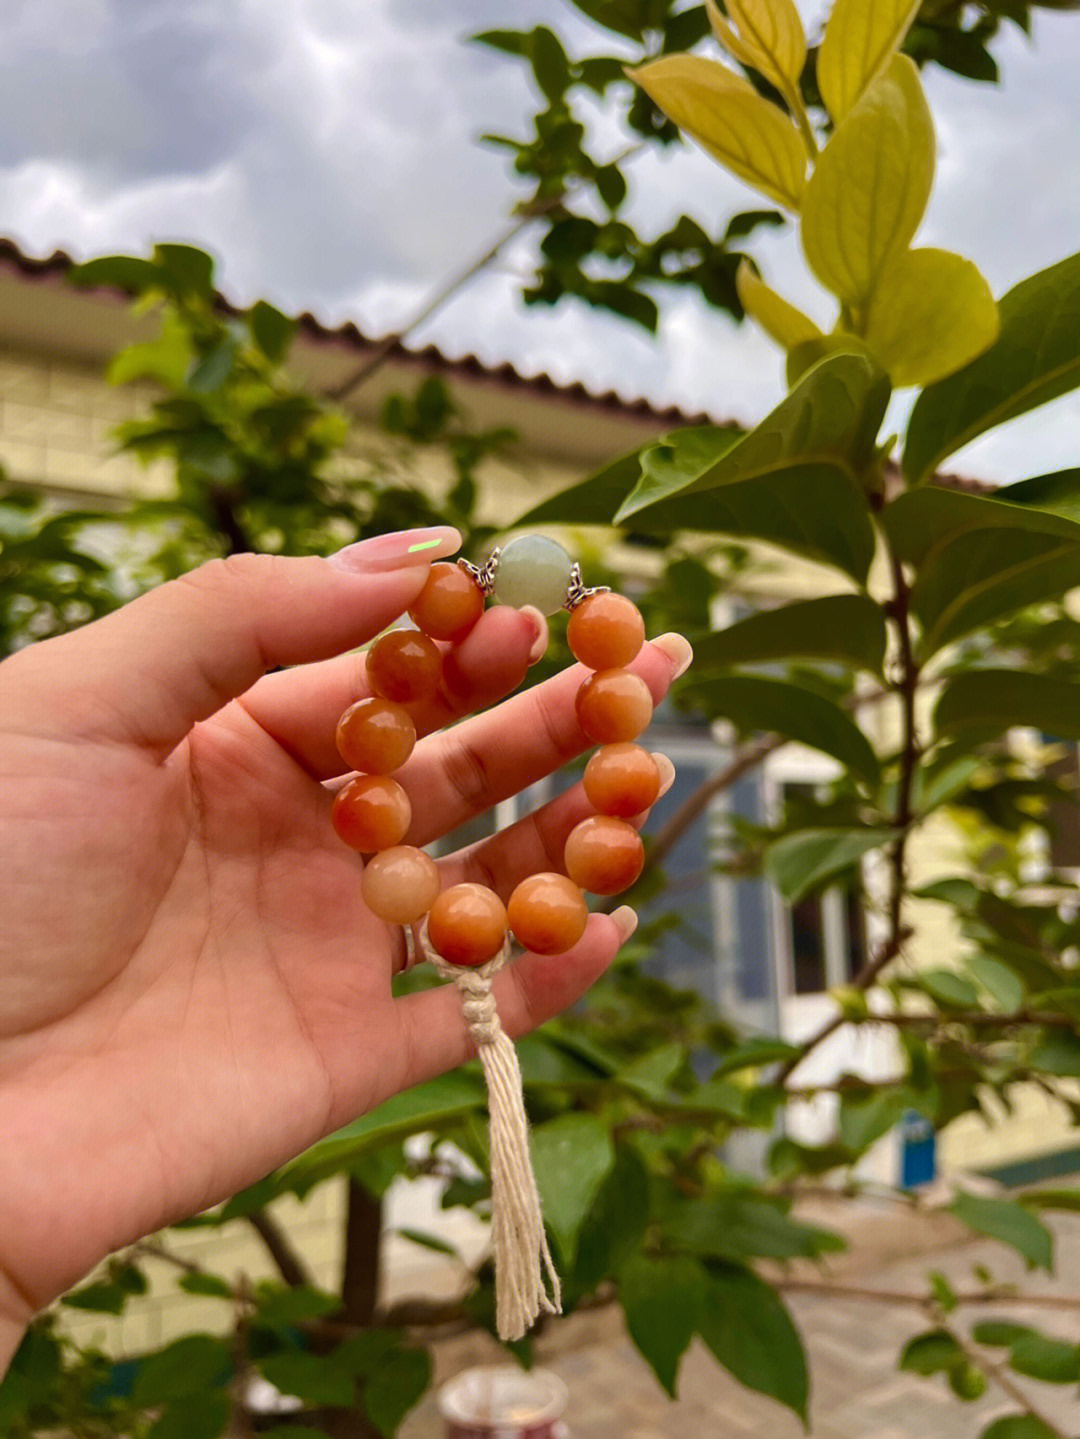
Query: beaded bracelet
{"type": "Point", "coordinates": [465, 930]}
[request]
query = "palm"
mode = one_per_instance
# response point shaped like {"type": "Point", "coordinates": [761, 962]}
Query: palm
{"type": "Point", "coordinates": [192, 989]}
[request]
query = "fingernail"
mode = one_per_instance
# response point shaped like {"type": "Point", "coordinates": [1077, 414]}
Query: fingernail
{"type": "Point", "coordinates": [626, 920]}
{"type": "Point", "coordinates": [399, 550]}
{"type": "Point", "coordinates": [540, 632]}
{"type": "Point", "coordinates": [667, 772]}
{"type": "Point", "coordinates": [677, 650]}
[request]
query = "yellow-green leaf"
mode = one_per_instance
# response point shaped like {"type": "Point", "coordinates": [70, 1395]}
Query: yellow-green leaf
{"type": "Point", "coordinates": [869, 190]}
{"type": "Point", "coordinates": [728, 118]}
{"type": "Point", "coordinates": [860, 40]}
{"type": "Point", "coordinates": [767, 35]}
{"type": "Point", "coordinates": [930, 315]}
{"type": "Point", "coordinates": [776, 316]}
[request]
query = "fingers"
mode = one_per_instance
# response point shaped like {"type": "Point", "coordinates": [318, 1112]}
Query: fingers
{"type": "Point", "coordinates": [495, 755]}
{"type": "Point", "coordinates": [300, 708]}
{"type": "Point", "coordinates": [147, 673]}
{"type": "Point", "coordinates": [533, 844]}
{"type": "Point", "coordinates": [434, 1036]}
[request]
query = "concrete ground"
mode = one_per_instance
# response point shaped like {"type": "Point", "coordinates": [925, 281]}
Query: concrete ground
{"type": "Point", "coordinates": [853, 1346]}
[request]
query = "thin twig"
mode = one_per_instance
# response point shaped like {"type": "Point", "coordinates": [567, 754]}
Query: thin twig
{"type": "Point", "coordinates": [921, 1301]}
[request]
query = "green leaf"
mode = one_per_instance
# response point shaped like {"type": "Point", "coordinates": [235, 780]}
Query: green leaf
{"type": "Point", "coordinates": [756, 704]}
{"type": "Point", "coordinates": [869, 190]}
{"type": "Point", "coordinates": [211, 370]}
{"type": "Point", "coordinates": [614, 1228]}
{"type": "Point", "coordinates": [428, 1241]}
{"type": "Point", "coordinates": [998, 1333]}
{"type": "Point", "coordinates": [967, 1380]}
{"type": "Point", "coordinates": [186, 270]}
{"type": "Point", "coordinates": [987, 702]}
{"type": "Point", "coordinates": [1001, 984]}
{"type": "Point", "coordinates": [188, 1366]}
{"type": "Point", "coordinates": [100, 1297]}
{"type": "Point", "coordinates": [314, 1378]}
{"type": "Point", "coordinates": [831, 418]}
{"type": "Point", "coordinates": [1036, 358]}
{"type": "Point", "coordinates": [737, 1226]}
{"type": "Point", "coordinates": [1008, 1222]}
{"type": "Point", "coordinates": [859, 41]}
{"type": "Point", "coordinates": [865, 1118]}
{"type": "Point", "coordinates": [572, 1156]}
{"type": "Point", "coordinates": [849, 628]}
{"type": "Point", "coordinates": [979, 576]}
{"type": "Point", "coordinates": [807, 860]}
{"type": "Point", "coordinates": [1064, 1199]}
{"type": "Point", "coordinates": [779, 319]}
{"type": "Point", "coordinates": [394, 1386]}
{"type": "Point", "coordinates": [931, 313]}
{"type": "Point", "coordinates": [1019, 1426]}
{"type": "Point", "coordinates": [1057, 1052]}
{"type": "Point", "coordinates": [663, 1299]}
{"type": "Point", "coordinates": [196, 1416]}
{"type": "Point", "coordinates": [948, 989]}
{"type": "Point", "coordinates": [271, 330]}
{"type": "Point", "coordinates": [129, 273]}
{"type": "Point", "coordinates": [754, 1053]}
{"type": "Point", "coordinates": [650, 1075]}
{"type": "Point", "coordinates": [1050, 1360]}
{"type": "Point", "coordinates": [210, 1284]}
{"type": "Point", "coordinates": [931, 1353]}
{"type": "Point", "coordinates": [283, 1308]}
{"type": "Point", "coordinates": [749, 1330]}
{"type": "Point", "coordinates": [723, 112]}
{"type": "Point", "coordinates": [166, 358]}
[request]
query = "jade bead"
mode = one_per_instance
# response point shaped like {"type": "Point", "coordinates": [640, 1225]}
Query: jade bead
{"type": "Point", "coordinates": [533, 570]}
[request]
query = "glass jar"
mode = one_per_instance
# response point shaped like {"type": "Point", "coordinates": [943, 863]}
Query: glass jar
{"type": "Point", "coordinates": [504, 1402]}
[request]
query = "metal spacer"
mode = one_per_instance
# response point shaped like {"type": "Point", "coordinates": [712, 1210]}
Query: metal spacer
{"type": "Point", "coordinates": [483, 576]}
{"type": "Point", "coordinates": [577, 591]}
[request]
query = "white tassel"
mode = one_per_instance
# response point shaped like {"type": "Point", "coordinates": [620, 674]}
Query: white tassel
{"type": "Point", "coordinates": [516, 1223]}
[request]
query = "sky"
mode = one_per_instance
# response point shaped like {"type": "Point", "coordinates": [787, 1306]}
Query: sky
{"type": "Point", "coordinates": [327, 152]}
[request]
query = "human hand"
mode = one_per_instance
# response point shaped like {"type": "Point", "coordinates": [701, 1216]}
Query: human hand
{"type": "Point", "coordinates": [191, 989]}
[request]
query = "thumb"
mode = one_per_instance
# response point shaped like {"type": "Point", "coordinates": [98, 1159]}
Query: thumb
{"type": "Point", "coordinates": [148, 672]}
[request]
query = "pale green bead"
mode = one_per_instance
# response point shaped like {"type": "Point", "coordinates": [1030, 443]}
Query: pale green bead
{"type": "Point", "coordinates": [533, 570]}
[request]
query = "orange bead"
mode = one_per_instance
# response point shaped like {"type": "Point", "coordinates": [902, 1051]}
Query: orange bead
{"type": "Point", "coordinates": [467, 924]}
{"type": "Point", "coordinates": [403, 666]}
{"type": "Point", "coordinates": [547, 913]}
{"type": "Point", "coordinates": [372, 812]}
{"type": "Point", "coordinates": [605, 631]}
{"type": "Point", "coordinates": [375, 736]}
{"type": "Point", "coordinates": [604, 855]}
{"type": "Point", "coordinates": [400, 884]}
{"type": "Point", "coordinates": [449, 604]}
{"type": "Point", "coordinates": [621, 779]}
{"type": "Point", "coordinates": [614, 706]}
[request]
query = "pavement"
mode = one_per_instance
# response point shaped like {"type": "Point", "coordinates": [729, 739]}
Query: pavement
{"type": "Point", "coordinates": [853, 1345]}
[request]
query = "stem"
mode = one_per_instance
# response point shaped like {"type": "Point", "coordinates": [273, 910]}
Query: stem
{"type": "Point", "coordinates": [290, 1266]}
{"type": "Point", "coordinates": [998, 1373]}
{"type": "Point", "coordinates": [223, 504]}
{"type": "Point", "coordinates": [921, 1301]}
{"type": "Point", "coordinates": [906, 686]}
{"type": "Point", "coordinates": [363, 1242]}
{"type": "Point", "coordinates": [802, 119]}
{"type": "Point", "coordinates": [445, 292]}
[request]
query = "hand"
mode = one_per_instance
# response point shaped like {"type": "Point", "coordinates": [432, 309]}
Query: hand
{"type": "Point", "coordinates": [191, 989]}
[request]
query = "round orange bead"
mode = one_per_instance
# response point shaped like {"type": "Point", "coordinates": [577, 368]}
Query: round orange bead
{"type": "Point", "coordinates": [400, 884]}
{"type": "Point", "coordinates": [375, 736]}
{"type": "Point", "coordinates": [614, 706]}
{"type": "Point", "coordinates": [372, 812]}
{"type": "Point", "coordinates": [604, 855]}
{"type": "Point", "coordinates": [621, 779]}
{"type": "Point", "coordinates": [467, 924]}
{"type": "Point", "coordinates": [403, 666]}
{"type": "Point", "coordinates": [605, 631]}
{"type": "Point", "coordinates": [547, 913]}
{"type": "Point", "coordinates": [449, 604]}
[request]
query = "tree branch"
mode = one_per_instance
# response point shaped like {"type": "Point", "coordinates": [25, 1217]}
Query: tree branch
{"type": "Point", "coordinates": [290, 1266]}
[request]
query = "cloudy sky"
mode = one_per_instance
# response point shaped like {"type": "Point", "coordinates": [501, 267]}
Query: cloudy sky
{"type": "Point", "coordinates": [326, 151]}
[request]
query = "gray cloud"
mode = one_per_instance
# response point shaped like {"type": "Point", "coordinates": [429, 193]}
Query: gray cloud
{"type": "Point", "coordinates": [325, 150]}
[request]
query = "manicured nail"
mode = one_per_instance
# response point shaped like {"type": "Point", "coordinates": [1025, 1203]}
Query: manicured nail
{"type": "Point", "coordinates": [626, 921]}
{"type": "Point", "coordinates": [667, 772]}
{"type": "Point", "coordinates": [677, 650]}
{"type": "Point", "coordinates": [399, 550]}
{"type": "Point", "coordinates": [540, 632]}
